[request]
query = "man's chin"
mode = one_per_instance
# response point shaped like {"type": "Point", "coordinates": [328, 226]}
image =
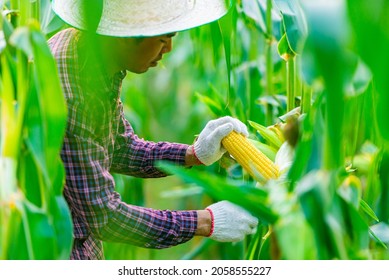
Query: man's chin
{"type": "Point", "coordinates": [139, 71]}
{"type": "Point", "coordinates": [144, 69]}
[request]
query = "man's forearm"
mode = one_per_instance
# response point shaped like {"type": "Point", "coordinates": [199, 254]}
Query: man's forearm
{"type": "Point", "coordinates": [190, 157]}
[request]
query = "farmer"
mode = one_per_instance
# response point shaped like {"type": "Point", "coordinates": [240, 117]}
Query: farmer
{"type": "Point", "coordinates": [133, 35]}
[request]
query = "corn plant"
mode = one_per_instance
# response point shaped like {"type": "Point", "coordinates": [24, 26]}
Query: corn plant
{"type": "Point", "coordinates": [34, 217]}
{"type": "Point", "coordinates": [309, 73]}
{"type": "Point", "coordinates": [333, 202]}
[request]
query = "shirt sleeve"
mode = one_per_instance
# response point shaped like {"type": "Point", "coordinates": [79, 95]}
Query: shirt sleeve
{"type": "Point", "coordinates": [137, 157]}
{"type": "Point", "coordinates": [91, 195]}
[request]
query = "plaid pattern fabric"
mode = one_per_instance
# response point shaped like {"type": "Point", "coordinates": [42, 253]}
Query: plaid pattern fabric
{"type": "Point", "coordinates": [98, 141]}
{"type": "Point", "coordinates": [87, 249]}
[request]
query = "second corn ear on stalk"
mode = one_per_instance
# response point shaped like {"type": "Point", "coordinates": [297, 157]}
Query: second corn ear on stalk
{"type": "Point", "coordinates": [249, 157]}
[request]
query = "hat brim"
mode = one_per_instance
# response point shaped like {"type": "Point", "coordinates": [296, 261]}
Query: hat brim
{"type": "Point", "coordinates": [203, 12]}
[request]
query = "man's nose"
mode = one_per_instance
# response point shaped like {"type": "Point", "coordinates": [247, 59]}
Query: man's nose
{"type": "Point", "coordinates": [168, 46]}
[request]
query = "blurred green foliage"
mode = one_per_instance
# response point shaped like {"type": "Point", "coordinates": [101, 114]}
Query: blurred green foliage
{"type": "Point", "coordinates": [320, 62]}
{"type": "Point", "coordinates": [34, 217]}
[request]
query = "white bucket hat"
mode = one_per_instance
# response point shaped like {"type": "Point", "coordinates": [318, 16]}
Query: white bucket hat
{"type": "Point", "coordinates": [133, 18]}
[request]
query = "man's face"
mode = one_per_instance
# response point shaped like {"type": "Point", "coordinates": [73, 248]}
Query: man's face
{"type": "Point", "coordinates": [139, 54]}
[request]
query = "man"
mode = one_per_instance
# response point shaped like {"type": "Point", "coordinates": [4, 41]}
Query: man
{"type": "Point", "coordinates": [99, 140]}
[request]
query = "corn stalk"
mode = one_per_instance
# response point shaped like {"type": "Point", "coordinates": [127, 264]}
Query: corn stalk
{"type": "Point", "coordinates": [35, 220]}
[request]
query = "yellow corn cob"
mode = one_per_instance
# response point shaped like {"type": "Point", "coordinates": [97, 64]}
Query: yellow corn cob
{"type": "Point", "coordinates": [249, 157]}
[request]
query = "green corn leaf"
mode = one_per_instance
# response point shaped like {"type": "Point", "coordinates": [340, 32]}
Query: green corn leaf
{"type": "Point", "coordinates": [369, 23]}
{"type": "Point", "coordinates": [217, 40]}
{"type": "Point", "coordinates": [226, 25]}
{"type": "Point", "coordinates": [14, 245]}
{"type": "Point", "coordinates": [40, 232]}
{"type": "Point", "coordinates": [256, 12]}
{"type": "Point", "coordinates": [202, 247]}
{"type": "Point", "coordinates": [49, 21]}
{"type": "Point", "coordinates": [335, 230]}
{"type": "Point", "coordinates": [294, 23]}
{"type": "Point", "coordinates": [295, 237]}
{"type": "Point", "coordinates": [356, 228]}
{"type": "Point", "coordinates": [10, 136]}
{"type": "Point", "coordinates": [3, 42]}
{"type": "Point", "coordinates": [326, 42]}
{"type": "Point", "coordinates": [213, 105]}
{"type": "Point", "coordinates": [284, 49]}
{"type": "Point", "coordinates": [52, 98]}
{"type": "Point", "coordinates": [271, 137]}
{"type": "Point", "coordinates": [251, 9]}
{"type": "Point", "coordinates": [253, 199]}
{"type": "Point", "coordinates": [254, 246]}
{"type": "Point", "coordinates": [7, 28]}
{"type": "Point", "coordinates": [30, 180]}
{"type": "Point", "coordinates": [380, 233]}
{"type": "Point", "coordinates": [350, 193]}
{"type": "Point", "coordinates": [91, 12]}
{"type": "Point", "coordinates": [367, 210]}
{"type": "Point", "coordinates": [312, 191]}
{"type": "Point", "coordinates": [360, 81]}
{"type": "Point", "coordinates": [20, 40]}
{"type": "Point", "coordinates": [63, 227]}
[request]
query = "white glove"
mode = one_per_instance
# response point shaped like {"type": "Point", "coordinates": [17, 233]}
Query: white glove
{"type": "Point", "coordinates": [231, 222]}
{"type": "Point", "coordinates": [208, 148]}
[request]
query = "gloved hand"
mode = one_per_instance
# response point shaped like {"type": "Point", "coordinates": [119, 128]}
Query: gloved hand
{"type": "Point", "coordinates": [231, 222]}
{"type": "Point", "coordinates": [208, 148]}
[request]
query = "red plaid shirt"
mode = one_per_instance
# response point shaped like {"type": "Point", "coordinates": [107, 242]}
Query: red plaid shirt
{"type": "Point", "coordinates": [98, 141]}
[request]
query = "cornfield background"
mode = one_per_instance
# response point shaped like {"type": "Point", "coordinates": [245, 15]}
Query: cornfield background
{"type": "Point", "coordinates": [315, 70]}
